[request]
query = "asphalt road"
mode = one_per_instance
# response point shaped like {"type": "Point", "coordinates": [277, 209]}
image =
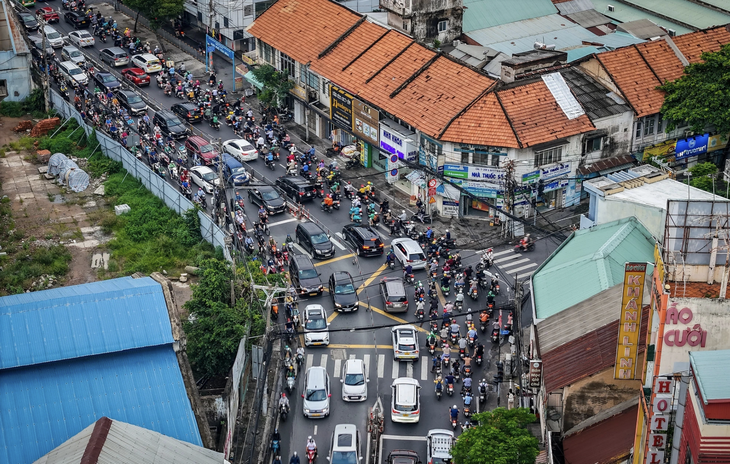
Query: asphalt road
{"type": "Point", "coordinates": [353, 334]}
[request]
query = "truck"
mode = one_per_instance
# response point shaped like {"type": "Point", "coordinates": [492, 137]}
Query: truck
{"type": "Point", "coordinates": [438, 446]}
{"type": "Point", "coordinates": [403, 457]}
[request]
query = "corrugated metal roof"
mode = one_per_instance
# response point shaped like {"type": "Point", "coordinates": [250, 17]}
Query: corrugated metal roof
{"type": "Point", "coordinates": [574, 6]}
{"type": "Point", "coordinates": [553, 29]}
{"type": "Point", "coordinates": [42, 406]}
{"type": "Point", "coordinates": [686, 12]}
{"type": "Point", "coordinates": [606, 442]}
{"type": "Point", "coordinates": [592, 95]}
{"type": "Point", "coordinates": [82, 320]}
{"type": "Point", "coordinates": [625, 13]}
{"type": "Point", "coordinates": [479, 14]}
{"type": "Point", "coordinates": [642, 28]}
{"type": "Point", "coordinates": [589, 262]}
{"type": "Point", "coordinates": [589, 18]}
{"type": "Point", "coordinates": [130, 443]}
{"type": "Point", "coordinates": [706, 365]}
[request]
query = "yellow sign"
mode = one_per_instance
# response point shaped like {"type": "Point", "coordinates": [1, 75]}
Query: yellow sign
{"type": "Point", "coordinates": [629, 323]}
{"type": "Point", "coordinates": [247, 59]}
{"type": "Point", "coordinates": [662, 149]}
{"type": "Point", "coordinates": [299, 91]}
{"type": "Point", "coordinates": [432, 200]}
{"type": "Point", "coordinates": [658, 264]}
{"type": "Point", "coordinates": [717, 142]}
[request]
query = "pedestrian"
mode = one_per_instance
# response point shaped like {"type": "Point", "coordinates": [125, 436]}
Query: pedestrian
{"type": "Point", "coordinates": [510, 400]}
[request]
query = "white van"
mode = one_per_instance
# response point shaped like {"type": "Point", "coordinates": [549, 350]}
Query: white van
{"type": "Point", "coordinates": [72, 73]}
{"type": "Point", "coordinates": [405, 400]}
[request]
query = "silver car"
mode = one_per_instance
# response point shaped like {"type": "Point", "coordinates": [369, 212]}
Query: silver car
{"type": "Point", "coordinates": [408, 251]}
{"type": "Point", "coordinates": [354, 381]}
{"type": "Point", "coordinates": [72, 54]}
{"type": "Point", "coordinates": [316, 327]}
{"type": "Point", "coordinates": [316, 404]}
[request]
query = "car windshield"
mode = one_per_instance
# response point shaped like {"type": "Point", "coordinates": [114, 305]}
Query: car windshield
{"type": "Point", "coordinates": [307, 274]}
{"type": "Point", "coordinates": [85, 35]}
{"type": "Point", "coordinates": [209, 176]}
{"type": "Point", "coordinates": [269, 195]}
{"type": "Point", "coordinates": [354, 379]}
{"type": "Point", "coordinates": [173, 122]}
{"type": "Point", "coordinates": [344, 457]}
{"type": "Point", "coordinates": [315, 323]}
{"type": "Point", "coordinates": [344, 289]}
{"type": "Point", "coordinates": [107, 78]}
{"type": "Point", "coordinates": [134, 99]}
{"type": "Point", "coordinates": [53, 35]}
{"type": "Point", "coordinates": [206, 148]}
{"type": "Point", "coordinates": [238, 171]}
{"type": "Point", "coordinates": [74, 54]}
{"type": "Point", "coordinates": [315, 395]}
{"type": "Point", "coordinates": [406, 347]}
{"type": "Point", "coordinates": [75, 71]}
{"type": "Point", "coordinates": [320, 238]}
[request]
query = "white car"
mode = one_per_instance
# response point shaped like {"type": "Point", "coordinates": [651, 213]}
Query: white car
{"type": "Point", "coordinates": [204, 177]}
{"type": "Point", "coordinates": [354, 381]}
{"type": "Point", "coordinates": [54, 38]}
{"type": "Point", "coordinates": [81, 39]}
{"type": "Point", "coordinates": [345, 447]}
{"type": "Point", "coordinates": [71, 53]}
{"type": "Point", "coordinates": [147, 61]}
{"type": "Point", "coordinates": [405, 342]}
{"type": "Point", "coordinates": [316, 327]}
{"type": "Point", "coordinates": [405, 400]}
{"type": "Point", "coordinates": [240, 149]}
{"type": "Point", "coordinates": [408, 251]}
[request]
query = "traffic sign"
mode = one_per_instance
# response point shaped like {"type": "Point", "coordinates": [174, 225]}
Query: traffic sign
{"type": "Point", "coordinates": [432, 200]}
{"type": "Point", "coordinates": [394, 172]}
{"type": "Point", "coordinates": [432, 183]}
{"type": "Point", "coordinates": [431, 191]}
{"type": "Point", "coordinates": [393, 158]}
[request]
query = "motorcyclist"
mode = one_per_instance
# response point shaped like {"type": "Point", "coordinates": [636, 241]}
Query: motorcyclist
{"type": "Point", "coordinates": [447, 235]}
{"type": "Point", "coordinates": [408, 270]}
{"type": "Point", "coordinates": [300, 352]}
{"type": "Point", "coordinates": [474, 287]}
{"type": "Point", "coordinates": [435, 362]}
{"type": "Point", "coordinates": [269, 158]}
{"type": "Point", "coordinates": [434, 267]}
{"type": "Point", "coordinates": [467, 400]}
{"type": "Point", "coordinates": [328, 202]}
{"type": "Point", "coordinates": [466, 385]}
{"type": "Point", "coordinates": [199, 195]}
{"type": "Point", "coordinates": [284, 401]}
{"type": "Point", "coordinates": [446, 354]}
{"type": "Point", "coordinates": [472, 334]}
{"type": "Point", "coordinates": [483, 387]}
{"type": "Point", "coordinates": [294, 459]}
{"type": "Point", "coordinates": [429, 233]}
{"type": "Point", "coordinates": [449, 308]}
{"type": "Point", "coordinates": [454, 328]}
{"type": "Point", "coordinates": [445, 281]}
{"type": "Point", "coordinates": [454, 411]}
{"type": "Point", "coordinates": [403, 217]}
{"type": "Point", "coordinates": [525, 242]}
{"type": "Point", "coordinates": [311, 445]}
{"type": "Point", "coordinates": [276, 436]}
{"type": "Point", "coordinates": [390, 258]}
{"type": "Point", "coordinates": [420, 305]}
{"type": "Point", "coordinates": [459, 283]}
{"type": "Point", "coordinates": [462, 344]}
{"type": "Point", "coordinates": [439, 384]}
{"type": "Point", "coordinates": [248, 242]}
{"type": "Point", "coordinates": [449, 379]}
{"type": "Point", "coordinates": [490, 297]}
{"type": "Point", "coordinates": [479, 351]}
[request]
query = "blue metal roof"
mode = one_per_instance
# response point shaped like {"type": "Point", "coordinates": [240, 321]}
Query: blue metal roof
{"type": "Point", "coordinates": [479, 14]}
{"type": "Point", "coordinates": [43, 406]}
{"type": "Point", "coordinates": [82, 320]}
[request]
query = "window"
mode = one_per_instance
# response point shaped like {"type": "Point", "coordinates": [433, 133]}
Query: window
{"type": "Point", "coordinates": [266, 52]}
{"type": "Point", "coordinates": [638, 129]}
{"type": "Point", "coordinates": [465, 158]}
{"type": "Point", "coordinates": [552, 155]}
{"type": "Point", "coordinates": [480, 158]}
{"type": "Point", "coordinates": [217, 26]}
{"type": "Point", "coordinates": [200, 17]}
{"type": "Point", "coordinates": [442, 25]}
{"type": "Point", "coordinates": [248, 10]}
{"type": "Point", "coordinates": [3, 88]}
{"type": "Point", "coordinates": [287, 64]}
{"type": "Point", "coordinates": [325, 87]}
{"type": "Point", "coordinates": [649, 126]}
{"type": "Point", "coordinates": [594, 144]}
{"type": "Point", "coordinates": [225, 21]}
{"type": "Point", "coordinates": [307, 77]}
{"type": "Point", "coordinates": [496, 159]}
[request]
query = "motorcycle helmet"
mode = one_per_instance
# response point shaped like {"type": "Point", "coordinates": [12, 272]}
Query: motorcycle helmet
{"type": "Point", "coordinates": [447, 231]}
{"type": "Point", "coordinates": [295, 453]}
{"type": "Point", "coordinates": [283, 395]}
{"type": "Point", "coordinates": [454, 407]}
{"type": "Point", "coordinates": [468, 310]}
{"type": "Point", "coordinates": [309, 438]}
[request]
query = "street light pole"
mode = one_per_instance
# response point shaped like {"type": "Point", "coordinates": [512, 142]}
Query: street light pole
{"type": "Point", "coordinates": [46, 74]}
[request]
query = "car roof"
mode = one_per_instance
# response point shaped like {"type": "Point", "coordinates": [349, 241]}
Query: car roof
{"type": "Point", "coordinates": [402, 327]}
{"type": "Point", "coordinates": [393, 284]}
{"type": "Point", "coordinates": [148, 56]}
{"type": "Point", "coordinates": [315, 375]}
{"type": "Point", "coordinates": [128, 92]}
{"type": "Point", "coordinates": [266, 188]}
{"type": "Point", "coordinates": [337, 275]}
{"type": "Point", "coordinates": [311, 227]}
{"type": "Point", "coordinates": [345, 429]}
{"type": "Point", "coordinates": [296, 180]}
{"type": "Point", "coordinates": [187, 105]}
{"type": "Point", "coordinates": [314, 307]}
{"type": "Point", "coordinates": [408, 243]}
{"type": "Point", "coordinates": [201, 169]}
{"type": "Point", "coordinates": [406, 381]}
{"type": "Point", "coordinates": [364, 231]}
{"type": "Point", "coordinates": [70, 47]}
{"type": "Point", "coordinates": [355, 365]}
{"type": "Point", "coordinates": [135, 70]}
{"type": "Point", "coordinates": [303, 259]}
{"type": "Point", "coordinates": [115, 50]}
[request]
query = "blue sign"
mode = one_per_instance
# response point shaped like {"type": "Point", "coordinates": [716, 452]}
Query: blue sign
{"type": "Point", "coordinates": [691, 146]}
{"type": "Point", "coordinates": [394, 172]}
{"type": "Point", "coordinates": [212, 44]}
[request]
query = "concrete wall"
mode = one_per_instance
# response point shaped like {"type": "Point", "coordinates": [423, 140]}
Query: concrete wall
{"type": "Point", "coordinates": [608, 210]}
{"type": "Point", "coordinates": [710, 318]}
{"type": "Point", "coordinates": [15, 70]}
{"type": "Point", "coordinates": [588, 397]}
{"type": "Point", "coordinates": [618, 141]}
{"type": "Point", "coordinates": [419, 18]}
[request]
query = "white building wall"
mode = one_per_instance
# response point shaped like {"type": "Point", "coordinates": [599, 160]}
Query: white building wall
{"type": "Point", "coordinates": [653, 218]}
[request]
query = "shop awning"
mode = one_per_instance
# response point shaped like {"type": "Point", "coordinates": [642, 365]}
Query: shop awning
{"type": "Point", "coordinates": [417, 178]}
{"type": "Point", "coordinates": [448, 191]}
{"type": "Point", "coordinates": [607, 166]}
{"type": "Point", "coordinates": [252, 79]}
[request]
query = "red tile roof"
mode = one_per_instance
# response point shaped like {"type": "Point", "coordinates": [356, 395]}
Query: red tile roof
{"type": "Point", "coordinates": [709, 40]}
{"type": "Point", "coordinates": [302, 28]}
{"type": "Point", "coordinates": [484, 123]}
{"type": "Point", "coordinates": [606, 442]}
{"type": "Point", "coordinates": [347, 50]}
{"type": "Point", "coordinates": [536, 117]}
{"type": "Point", "coordinates": [662, 60]}
{"type": "Point", "coordinates": [587, 355]}
{"type": "Point", "coordinates": [694, 290]}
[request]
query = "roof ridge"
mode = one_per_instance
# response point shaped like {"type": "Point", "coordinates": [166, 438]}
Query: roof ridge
{"type": "Point", "coordinates": [506, 115]}
{"type": "Point", "coordinates": [415, 75]}
{"type": "Point", "coordinates": [466, 108]}
{"type": "Point", "coordinates": [677, 51]}
{"type": "Point", "coordinates": [397, 55]}
{"type": "Point", "coordinates": [366, 49]}
{"type": "Point", "coordinates": [614, 241]}
{"type": "Point", "coordinates": [613, 79]}
{"type": "Point", "coordinates": [96, 442]}
{"type": "Point", "coordinates": [643, 58]}
{"type": "Point", "coordinates": [342, 37]}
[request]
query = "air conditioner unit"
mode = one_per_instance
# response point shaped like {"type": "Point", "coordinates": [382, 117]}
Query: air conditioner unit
{"type": "Point", "coordinates": [611, 8]}
{"type": "Point", "coordinates": [671, 32]}
{"type": "Point", "coordinates": [313, 96]}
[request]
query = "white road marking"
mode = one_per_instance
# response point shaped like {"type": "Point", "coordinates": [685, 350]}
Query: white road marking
{"type": "Point", "coordinates": [337, 244]}
{"type": "Point", "coordinates": [323, 361]}
{"type": "Point", "coordinates": [402, 437]}
{"type": "Point", "coordinates": [340, 236]}
{"type": "Point", "coordinates": [336, 373]}
{"type": "Point", "coordinates": [526, 274]}
{"type": "Point", "coordinates": [381, 366]}
{"type": "Point", "coordinates": [396, 368]}
{"type": "Point", "coordinates": [509, 261]}
{"type": "Point", "coordinates": [424, 367]}
{"type": "Point", "coordinates": [298, 247]}
{"type": "Point", "coordinates": [310, 361]}
{"type": "Point", "coordinates": [285, 221]}
{"type": "Point", "coordinates": [499, 253]}
{"type": "Point", "coordinates": [282, 166]}
{"type": "Point", "coordinates": [366, 359]}
{"type": "Point", "coordinates": [512, 271]}
{"type": "Point", "coordinates": [409, 370]}
{"type": "Point", "coordinates": [315, 430]}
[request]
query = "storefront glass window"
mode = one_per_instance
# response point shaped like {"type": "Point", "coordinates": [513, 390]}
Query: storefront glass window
{"type": "Point", "coordinates": [496, 159]}
{"type": "Point", "coordinates": [552, 155]}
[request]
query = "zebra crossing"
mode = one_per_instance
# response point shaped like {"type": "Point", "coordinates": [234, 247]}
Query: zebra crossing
{"type": "Point", "coordinates": [511, 263]}
{"type": "Point", "coordinates": [419, 370]}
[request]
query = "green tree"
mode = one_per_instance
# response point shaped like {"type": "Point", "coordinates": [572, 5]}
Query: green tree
{"type": "Point", "coordinates": [703, 177]}
{"type": "Point", "coordinates": [276, 84]}
{"type": "Point", "coordinates": [701, 97]}
{"type": "Point", "coordinates": [215, 282]}
{"type": "Point", "coordinates": [500, 438]}
{"type": "Point", "coordinates": [156, 11]}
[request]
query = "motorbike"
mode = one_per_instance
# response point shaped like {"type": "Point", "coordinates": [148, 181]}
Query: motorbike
{"type": "Point", "coordinates": [438, 395]}
{"type": "Point", "coordinates": [454, 422]}
{"type": "Point", "coordinates": [270, 164]}
{"type": "Point", "coordinates": [391, 264]}
{"type": "Point", "coordinates": [450, 389]}
{"type": "Point", "coordinates": [530, 246]}
{"type": "Point", "coordinates": [467, 371]}
{"type": "Point", "coordinates": [422, 217]}
{"type": "Point", "coordinates": [419, 316]}
{"type": "Point", "coordinates": [410, 279]}
{"type": "Point", "coordinates": [495, 286]}
{"type": "Point", "coordinates": [467, 411]}
{"type": "Point", "coordinates": [482, 394]}
{"type": "Point", "coordinates": [495, 335]}
{"type": "Point", "coordinates": [479, 360]}
{"type": "Point", "coordinates": [215, 125]}
{"type": "Point", "coordinates": [462, 353]}
{"type": "Point", "coordinates": [202, 202]}
{"type": "Point", "coordinates": [454, 338]}
{"type": "Point", "coordinates": [290, 384]}
{"type": "Point", "coordinates": [283, 412]}
{"type": "Point", "coordinates": [474, 293]}
{"type": "Point", "coordinates": [311, 456]}
{"type": "Point", "coordinates": [275, 447]}
{"type": "Point", "coordinates": [326, 208]}
{"type": "Point", "coordinates": [485, 262]}
{"type": "Point", "coordinates": [431, 346]}
{"type": "Point", "coordinates": [434, 326]}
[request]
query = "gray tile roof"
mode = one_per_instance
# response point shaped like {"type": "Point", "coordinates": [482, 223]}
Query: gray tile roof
{"type": "Point", "coordinates": [596, 99]}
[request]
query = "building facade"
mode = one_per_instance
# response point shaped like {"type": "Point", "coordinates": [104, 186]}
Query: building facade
{"type": "Point", "coordinates": [15, 58]}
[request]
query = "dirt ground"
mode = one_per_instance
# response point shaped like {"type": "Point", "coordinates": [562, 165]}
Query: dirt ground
{"type": "Point", "coordinates": [48, 212]}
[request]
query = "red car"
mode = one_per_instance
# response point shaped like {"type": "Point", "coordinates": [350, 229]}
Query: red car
{"type": "Point", "coordinates": [47, 14]}
{"type": "Point", "coordinates": [137, 76]}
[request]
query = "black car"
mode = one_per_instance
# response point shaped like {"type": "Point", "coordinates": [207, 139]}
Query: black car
{"type": "Point", "coordinates": [78, 20]}
{"type": "Point", "coordinates": [313, 238]}
{"type": "Point", "coordinates": [190, 112]}
{"type": "Point", "coordinates": [364, 239]}
{"type": "Point", "coordinates": [170, 124]}
{"type": "Point", "coordinates": [35, 50]}
{"type": "Point", "coordinates": [343, 292]}
{"type": "Point", "coordinates": [269, 198]}
{"type": "Point", "coordinates": [131, 101]}
{"type": "Point", "coordinates": [304, 276]}
{"type": "Point", "coordinates": [29, 22]}
{"type": "Point", "coordinates": [106, 81]}
{"type": "Point", "coordinates": [296, 188]}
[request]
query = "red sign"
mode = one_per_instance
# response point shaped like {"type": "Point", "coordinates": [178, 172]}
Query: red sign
{"type": "Point", "coordinates": [432, 183]}
{"type": "Point", "coordinates": [431, 191]}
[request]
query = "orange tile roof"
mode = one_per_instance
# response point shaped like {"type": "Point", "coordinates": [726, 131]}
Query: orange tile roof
{"type": "Point", "coordinates": [694, 290]}
{"type": "Point", "coordinates": [348, 49]}
{"type": "Point", "coordinates": [536, 117]}
{"type": "Point", "coordinates": [303, 28]}
{"type": "Point", "coordinates": [634, 79]}
{"type": "Point", "coordinates": [692, 45]}
{"type": "Point", "coordinates": [390, 78]}
{"type": "Point", "coordinates": [661, 59]}
{"type": "Point", "coordinates": [484, 123]}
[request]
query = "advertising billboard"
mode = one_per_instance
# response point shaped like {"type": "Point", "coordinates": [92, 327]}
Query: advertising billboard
{"type": "Point", "coordinates": [366, 121]}
{"type": "Point", "coordinates": [691, 146]}
{"type": "Point", "coordinates": [340, 107]}
{"type": "Point", "coordinates": [629, 322]}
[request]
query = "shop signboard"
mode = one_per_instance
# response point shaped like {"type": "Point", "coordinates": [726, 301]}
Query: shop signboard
{"type": "Point", "coordinates": [480, 189]}
{"type": "Point", "coordinates": [456, 171]}
{"type": "Point", "coordinates": [484, 173]}
{"type": "Point", "coordinates": [531, 177]}
{"type": "Point", "coordinates": [630, 321]}
{"type": "Point", "coordinates": [661, 149]}
{"type": "Point", "coordinates": [299, 91]}
{"type": "Point", "coordinates": [557, 170]}
{"type": "Point", "coordinates": [365, 122]}
{"type": "Point", "coordinates": [717, 142]}
{"type": "Point", "coordinates": [556, 184]}
{"type": "Point", "coordinates": [535, 373]}
{"type": "Point", "coordinates": [450, 208]}
{"type": "Point", "coordinates": [341, 107]}
{"type": "Point", "coordinates": [691, 146]}
{"type": "Point", "coordinates": [396, 143]}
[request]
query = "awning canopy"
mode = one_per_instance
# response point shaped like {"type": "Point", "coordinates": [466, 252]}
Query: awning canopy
{"type": "Point", "coordinates": [252, 79]}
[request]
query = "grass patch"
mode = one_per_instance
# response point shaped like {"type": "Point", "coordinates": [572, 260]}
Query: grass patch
{"type": "Point", "coordinates": [20, 269]}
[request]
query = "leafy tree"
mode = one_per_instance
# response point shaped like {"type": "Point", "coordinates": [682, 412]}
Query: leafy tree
{"type": "Point", "coordinates": [156, 11]}
{"type": "Point", "coordinates": [215, 283]}
{"type": "Point", "coordinates": [500, 438]}
{"type": "Point", "coordinates": [701, 97]}
{"type": "Point", "coordinates": [703, 177]}
{"type": "Point", "coordinates": [276, 84]}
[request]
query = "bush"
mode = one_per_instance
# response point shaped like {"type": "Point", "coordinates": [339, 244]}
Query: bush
{"type": "Point", "coordinates": [33, 104]}
{"type": "Point", "coordinates": [20, 270]}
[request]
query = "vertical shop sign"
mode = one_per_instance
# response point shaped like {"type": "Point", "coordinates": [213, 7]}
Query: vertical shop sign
{"type": "Point", "coordinates": [629, 322]}
{"type": "Point", "coordinates": [340, 107]}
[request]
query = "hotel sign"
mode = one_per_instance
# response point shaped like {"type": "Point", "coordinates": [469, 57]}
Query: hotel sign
{"type": "Point", "coordinates": [629, 322]}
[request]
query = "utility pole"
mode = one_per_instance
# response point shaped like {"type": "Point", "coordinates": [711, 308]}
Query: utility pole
{"type": "Point", "coordinates": [46, 74]}
{"type": "Point", "coordinates": [517, 333]}
{"type": "Point", "coordinates": [229, 241]}
{"type": "Point", "coordinates": [509, 193]}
